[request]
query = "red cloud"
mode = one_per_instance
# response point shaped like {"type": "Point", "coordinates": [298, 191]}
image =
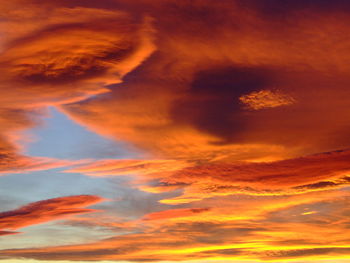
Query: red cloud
{"type": "Point", "coordinates": [152, 168]}
{"type": "Point", "coordinates": [61, 55]}
{"type": "Point", "coordinates": [271, 175]}
{"type": "Point", "coordinates": [207, 179]}
{"type": "Point", "coordinates": [47, 210]}
{"type": "Point", "coordinates": [184, 101]}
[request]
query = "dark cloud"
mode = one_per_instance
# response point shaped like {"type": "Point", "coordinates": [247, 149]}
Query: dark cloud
{"type": "Point", "coordinates": [212, 103]}
{"type": "Point", "coordinates": [290, 7]}
{"type": "Point", "coordinates": [322, 185]}
{"type": "Point", "coordinates": [105, 4]}
{"type": "Point", "coordinates": [6, 233]}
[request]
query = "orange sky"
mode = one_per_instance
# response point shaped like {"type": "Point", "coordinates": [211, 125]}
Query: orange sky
{"type": "Point", "coordinates": [233, 121]}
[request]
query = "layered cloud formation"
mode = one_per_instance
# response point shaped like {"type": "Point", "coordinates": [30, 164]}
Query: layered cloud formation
{"type": "Point", "coordinates": [237, 111]}
{"type": "Point", "coordinates": [54, 54]}
{"type": "Point", "coordinates": [47, 210]}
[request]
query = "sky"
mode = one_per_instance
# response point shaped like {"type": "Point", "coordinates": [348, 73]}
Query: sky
{"type": "Point", "coordinates": [193, 131]}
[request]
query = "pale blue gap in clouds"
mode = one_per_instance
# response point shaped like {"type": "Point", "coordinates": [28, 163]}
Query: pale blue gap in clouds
{"type": "Point", "coordinates": [60, 137]}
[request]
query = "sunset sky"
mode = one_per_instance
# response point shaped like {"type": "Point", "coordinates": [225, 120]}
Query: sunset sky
{"type": "Point", "coordinates": [197, 131]}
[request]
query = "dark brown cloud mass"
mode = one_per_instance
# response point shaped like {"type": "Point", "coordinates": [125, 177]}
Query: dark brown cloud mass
{"type": "Point", "coordinates": [186, 100]}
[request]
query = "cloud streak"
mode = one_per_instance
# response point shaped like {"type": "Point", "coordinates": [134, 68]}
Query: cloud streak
{"type": "Point", "coordinates": [46, 210]}
{"type": "Point", "coordinates": [257, 238]}
{"type": "Point", "coordinates": [204, 180]}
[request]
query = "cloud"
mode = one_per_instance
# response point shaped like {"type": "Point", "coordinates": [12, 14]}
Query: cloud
{"type": "Point", "coordinates": [266, 99]}
{"type": "Point", "coordinates": [97, 49]}
{"type": "Point", "coordinates": [53, 54]}
{"type": "Point", "coordinates": [258, 238]}
{"type": "Point", "coordinates": [184, 101]}
{"type": "Point", "coordinates": [6, 233]}
{"type": "Point", "coordinates": [46, 210]}
{"type": "Point", "coordinates": [221, 231]}
{"type": "Point", "coordinates": [238, 106]}
{"type": "Point", "coordinates": [317, 172]}
{"type": "Point", "coordinates": [288, 177]}
{"type": "Point", "coordinates": [279, 174]}
{"type": "Point", "coordinates": [317, 252]}
{"type": "Point", "coordinates": [13, 163]}
{"type": "Point", "coordinates": [127, 167]}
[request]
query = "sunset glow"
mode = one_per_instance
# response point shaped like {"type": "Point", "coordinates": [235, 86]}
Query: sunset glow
{"type": "Point", "coordinates": [167, 131]}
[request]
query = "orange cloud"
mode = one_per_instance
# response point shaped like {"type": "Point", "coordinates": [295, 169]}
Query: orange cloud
{"type": "Point", "coordinates": [279, 232]}
{"type": "Point", "coordinates": [273, 175]}
{"type": "Point", "coordinates": [97, 49]}
{"type": "Point", "coordinates": [239, 104]}
{"type": "Point", "coordinates": [208, 179]}
{"type": "Point", "coordinates": [12, 163]}
{"type": "Point", "coordinates": [127, 167]}
{"type": "Point", "coordinates": [47, 210]}
{"type": "Point", "coordinates": [52, 54]}
{"type": "Point", "coordinates": [266, 99]}
{"type": "Point", "coordinates": [184, 101]}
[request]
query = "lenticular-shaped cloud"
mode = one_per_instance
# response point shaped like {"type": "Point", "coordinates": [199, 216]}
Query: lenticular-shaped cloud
{"type": "Point", "coordinates": [73, 55]}
{"type": "Point", "coordinates": [127, 167]}
{"type": "Point", "coordinates": [47, 210]}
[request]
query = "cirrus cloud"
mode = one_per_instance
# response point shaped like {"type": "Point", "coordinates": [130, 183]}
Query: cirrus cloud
{"type": "Point", "coordinates": [47, 210]}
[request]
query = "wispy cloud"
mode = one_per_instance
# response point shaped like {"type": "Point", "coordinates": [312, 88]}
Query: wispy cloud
{"type": "Point", "coordinates": [46, 210]}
